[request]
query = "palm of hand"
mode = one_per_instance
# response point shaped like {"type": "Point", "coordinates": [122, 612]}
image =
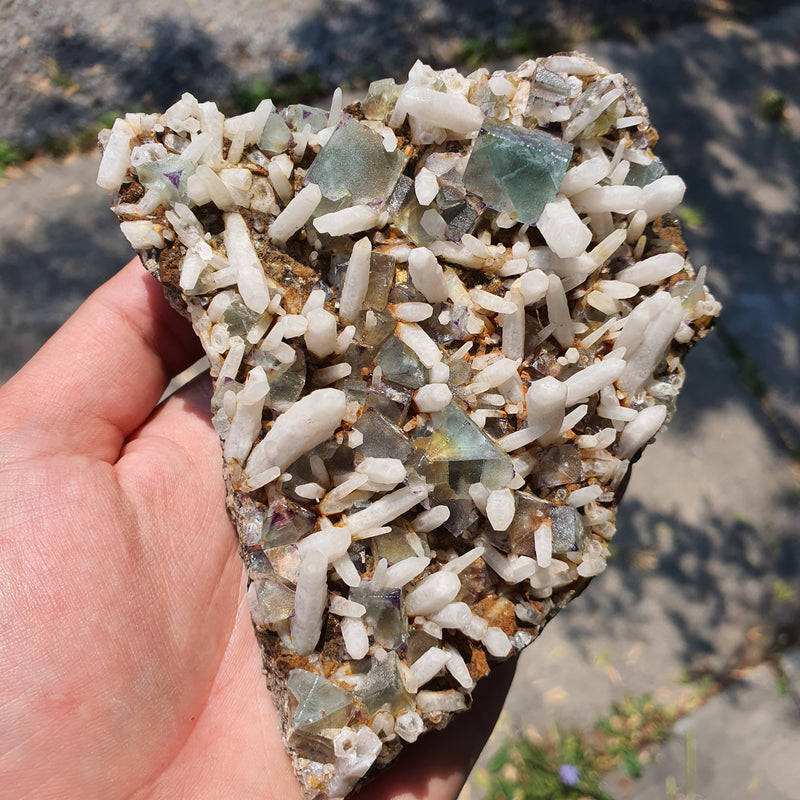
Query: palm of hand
{"type": "Point", "coordinates": [129, 666]}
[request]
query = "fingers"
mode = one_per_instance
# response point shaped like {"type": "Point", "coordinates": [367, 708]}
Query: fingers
{"type": "Point", "coordinates": [437, 766]}
{"type": "Point", "coordinates": [102, 373]}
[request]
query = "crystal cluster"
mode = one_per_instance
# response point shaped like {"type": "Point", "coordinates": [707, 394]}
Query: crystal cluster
{"type": "Point", "coordinates": [441, 322]}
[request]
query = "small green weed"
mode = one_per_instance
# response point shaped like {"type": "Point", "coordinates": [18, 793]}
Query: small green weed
{"type": "Point", "coordinates": [782, 592]}
{"type": "Point", "coordinates": [10, 155]}
{"type": "Point", "coordinates": [107, 118]}
{"type": "Point", "coordinates": [705, 683]}
{"type": "Point", "coordinates": [572, 765]}
{"type": "Point", "coordinates": [691, 216]}
{"type": "Point", "coordinates": [58, 77]}
{"type": "Point", "coordinates": [477, 51]}
{"type": "Point", "coordinates": [298, 88]}
{"type": "Point", "coordinates": [560, 770]}
{"type": "Point", "coordinates": [773, 105]}
{"type": "Point", "coordinates": [540, 39]}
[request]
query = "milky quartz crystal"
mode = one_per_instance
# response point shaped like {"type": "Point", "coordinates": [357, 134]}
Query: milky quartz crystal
{"type": "Point", "coordinates": [441, 324]}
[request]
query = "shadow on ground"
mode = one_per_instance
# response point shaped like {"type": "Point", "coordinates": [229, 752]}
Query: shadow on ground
{"type": "Point", "coordinates": [78, 62]}
{"type": "Point", "coordinates": [52, 258]}
{"type": "Point", "coordinates": [172, 57]}
{"type": "Point", "coordinates": [705, 93]}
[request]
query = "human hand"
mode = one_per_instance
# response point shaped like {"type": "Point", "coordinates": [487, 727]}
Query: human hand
{"type": "Point", "coordinates": [128, 666]}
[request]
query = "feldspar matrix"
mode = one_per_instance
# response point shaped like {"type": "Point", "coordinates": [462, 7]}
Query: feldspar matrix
{"type": "Point", "coordinates": [441, 322]}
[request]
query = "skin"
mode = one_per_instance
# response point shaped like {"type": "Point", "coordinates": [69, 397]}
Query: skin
{"type": "Point", "coordinates": [128, 665]}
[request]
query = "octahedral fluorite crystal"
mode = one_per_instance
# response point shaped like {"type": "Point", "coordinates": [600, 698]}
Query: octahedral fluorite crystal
{"type": "Point", "coordinates": [441, 323]}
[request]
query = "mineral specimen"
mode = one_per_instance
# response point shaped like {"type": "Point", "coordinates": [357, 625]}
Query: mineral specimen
{"type": "Point", "coordinates": [441, 324]}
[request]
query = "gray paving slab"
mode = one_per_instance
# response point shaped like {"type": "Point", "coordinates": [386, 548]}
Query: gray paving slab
{"type": "Point", "coordinates": [789, 664]}
{"type": "Point", "coordinates": [744, 743]}
{"type": "Point", "coordinates": [704, 87]}
{"type": "Point", "coordinates": [58, 242]}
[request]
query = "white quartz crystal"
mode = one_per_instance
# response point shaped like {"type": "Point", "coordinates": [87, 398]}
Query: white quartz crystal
{"type": "Point", "coordinates": [563, 230]}
{"type": "Point", "coordinates": [306, 424]}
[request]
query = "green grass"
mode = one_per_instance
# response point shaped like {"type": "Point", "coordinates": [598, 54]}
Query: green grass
{"type": "Point", "coordinates": [782, 593]}
{"type": "Point", "coordinates": [522, 770]}
{"type": "Point", "coordinates": [477, 51]}
{"type": "Point", "coordinates": [691, 216]}
{"type": "Point", "coordinates": [80, 142]}
{"type": "Point", "coordinates": [636, 723]}
{"type": "Point", "coordinates": [526, 770]}
{"type": "Point", "coordinates": [540, 40]}
{"type": "Point", "coordinates": [59, 77]}
{"type": "Point", "coordinates": [300, 88]}
{"type": "Point", "coordinates": [10, 155]}
{"type": "Point", "coordinates": [57, 146]}
{"type": "Point", "coordinates": [773, 105]}
{"type": "Point", "coordinates": [529, 40]}
{"type": "Point", "coordinates": [782, 685]}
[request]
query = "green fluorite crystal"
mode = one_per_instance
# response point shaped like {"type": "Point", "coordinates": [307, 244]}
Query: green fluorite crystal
{"type": "Point", "coordinates": [383, 687]}
{"type": "Point", "coordinates": [460, 439]}
{"type": "Point", "coordinates": [568, 531]}
{"type": "Point", "coordinates": [381, 99]}
{"type": "Point", "coordinates": [384, 613]}
{"type": "Point", "coordinates": [392, 402]}
{"type": "Point", "coordinates": [275, 136]}
{"type": "Point", "coordinates": [239, 318]}
{"type": "Point", "coordinates": [640, 175]}
{"type": "Point", "coordinates": [531, 512]}
{"type": "Point", "coordinates": [400, 365]}
{"type": "Point", "coordinates": [381, 280]}
{"type": "Point", "coordinates": [559, 466]}
{"type": "Point", "coordinates": [382, 438]}
{"type": "Point", "coordinates": [354, 164]}
{"type": "Point", "coordinates": [275, 602]}
{"type": "Point", "coordinates": [299, 115]}
{"type": "Point", "coordinates": [320, 704]}
{"type": "Point", "coordinates": [286, 381]}
{"type": "Point", "coordinates": [394, 546]}
{"type": "Point", "coordinates": [169, 176]}
{"type": "Point", "coordinates": [286, 522]}
{"type": "Point", "coordinates": [516, 170]}
{"type": "Point", "coordinates": [405, 207]}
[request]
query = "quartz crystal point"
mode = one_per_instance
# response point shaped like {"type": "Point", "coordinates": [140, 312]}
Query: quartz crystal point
{"type": "Point", "coordinates": [441, 323]}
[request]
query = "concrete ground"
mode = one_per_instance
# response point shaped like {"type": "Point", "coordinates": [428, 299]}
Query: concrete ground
{"type": "Point", "coordinates": [753, 722]}
{"type": "Point", "coordinates": [706, 574]}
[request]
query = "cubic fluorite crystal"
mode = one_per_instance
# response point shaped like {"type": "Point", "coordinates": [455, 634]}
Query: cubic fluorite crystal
{"type": "Point", "coordinates": [366, 179]}
{"type": "Point", "coordinates": [516, 170]}
{"type": "Point", "coordinates": [441, 324]}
